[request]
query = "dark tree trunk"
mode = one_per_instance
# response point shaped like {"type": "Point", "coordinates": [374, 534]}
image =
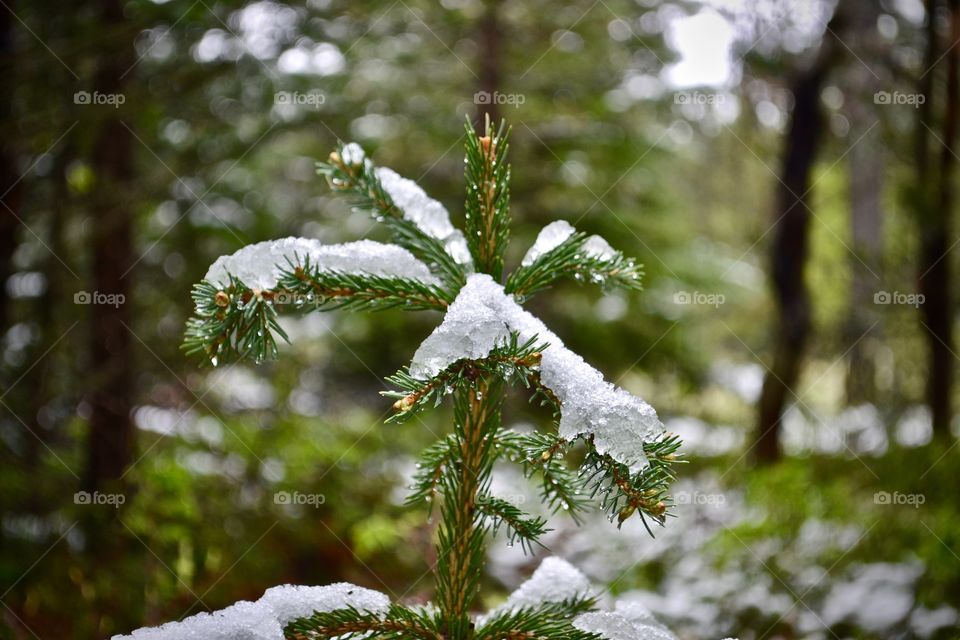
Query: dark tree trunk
{"type": "Point", "coordinates": [111, 376]}
{"type": "Point", "coordinates": [790, 248]}
{"type": "Point", "coordinates": [865, 166]}
{"type": "Point", "coordinates": [489, 57]}
{"type": "Point", "coordinates": [935, 223]}
{"type": "Point", "coordinates": [9, 186]}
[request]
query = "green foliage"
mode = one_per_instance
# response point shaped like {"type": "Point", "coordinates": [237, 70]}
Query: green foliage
{"type": "Point", "coordinates": [360, 181]}
{"type": "Point", "coordinates": [487, 207]}
{"type": "Point", "coordinates": [511, 362]}
{"type": "Point", "coordinates": [399, 623]}
{"type": "Point", "coordinates": [549, 620]}
{"type": "Point", "coordinates": [570, 260]}
{"type": "Point", "coordinates": [236, 321]}
{"type": "Point", "coordinates": [622, 493]}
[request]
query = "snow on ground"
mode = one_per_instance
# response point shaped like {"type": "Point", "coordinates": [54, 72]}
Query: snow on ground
{"type": "Point", "coordinates": [705, 592]}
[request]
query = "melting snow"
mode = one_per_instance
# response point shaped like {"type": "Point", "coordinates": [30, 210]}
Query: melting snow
{"type": "Point", "coordinates": [483, 316]}
{"type": "Point", "coordinates": [617, 626]}
{"type": "Point", "coordinates": [555, 233]}
{"type": "Point", "coordinates": [555, 580]}
{"type": "Point", "coordinates": [549, 238]}
{"type": "Point", "coordinates": [426, 213]}
{"type": "Point", "coordinates": [265, 618]}
{"type": "Point", "coordinates": [259, 265]}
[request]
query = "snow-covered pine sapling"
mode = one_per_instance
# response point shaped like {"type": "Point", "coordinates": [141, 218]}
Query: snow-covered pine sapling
{"type": "Point", "coordinates": [486, 343]}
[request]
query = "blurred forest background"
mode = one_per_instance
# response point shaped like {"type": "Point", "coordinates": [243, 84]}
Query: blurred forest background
{"type": "Point", "coordinates": [786, 171]}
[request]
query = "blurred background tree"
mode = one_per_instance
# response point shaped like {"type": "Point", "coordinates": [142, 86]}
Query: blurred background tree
{"type": "Point", "coordinates": [140, 140]}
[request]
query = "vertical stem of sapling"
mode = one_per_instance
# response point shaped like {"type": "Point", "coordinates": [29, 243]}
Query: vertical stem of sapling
{"type": "Point", "coordinates": [462, 542]}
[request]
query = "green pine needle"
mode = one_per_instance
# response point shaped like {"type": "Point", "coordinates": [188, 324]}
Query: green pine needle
{"type": "Point", "coordinates": [487, 206]}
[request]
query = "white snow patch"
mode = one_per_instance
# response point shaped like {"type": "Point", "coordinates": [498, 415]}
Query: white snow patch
{"type": "Point", "coordinates": [483, 316]}
{"type": "Point", "coordinates": [290, 602]}
{"type": "Point", "coordinates": [555, 580]}
{"type": "Point", "coordinates": [549, 238]}
{"type": "Point", "coordinates": [352, 154]}
{"type": "Point", "coordinates": [876, 597]}
{"type": "Point", "coordinates": [426, 213]}
{"type": "Point", "coordinates": [915, 427]}
{"type": "Point", "coordinates": [556, 233]}
{"type": "Point", "coordinates": [925, 622]}
{"type": "Point", "coordinates": [265, 618]}
{"type": "Point", "coordinates": [259, 265]}
{"type": "Point", "coordinates": [599, 248]}
{"type": "Point", "coordinates": [617, 626]}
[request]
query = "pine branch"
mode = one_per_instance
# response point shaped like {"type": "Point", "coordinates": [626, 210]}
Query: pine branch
{"type": "Point", "coordinates": [570, 259]}
{"type": "Point", "coordinates": [430, 469]}
{"type": "Point", "coordinates": [511, 362]}
{"type": "Point", "coordinates": [502, 513]}
{"type": "Point", "coordinates": [645, 492]}
{"type": "Point", "coordinates": [541, 454]}
{"type": "Point", "coordinates": [399, 623]}
{"type": "Point", "coordinates": [232, 322]}
{"type": "Point", "coordinates": [236, 322]}
{"type": "Point", "coordinates": [361, 181]}
{"type": "Point", "coordinates": [488, 197]}
{"type": "Point", "coordinates": [548, 621]}
{"type": "Point", "coordinates": [308, 284]}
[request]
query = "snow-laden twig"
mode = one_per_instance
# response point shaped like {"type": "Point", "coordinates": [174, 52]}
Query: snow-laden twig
{"type": "Point", "coordinates": [266, 618]}
{"type": "Point", "coordinates": [484, 316]}
{"type": "Point", "coordinates": [260, 265]}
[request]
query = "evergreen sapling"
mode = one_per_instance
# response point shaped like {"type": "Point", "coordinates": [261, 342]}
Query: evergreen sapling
{"type": "Point", "coordinates": [486, 344]}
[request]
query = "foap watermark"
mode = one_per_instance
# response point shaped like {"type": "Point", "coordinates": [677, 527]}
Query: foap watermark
{"type": "Point", "coordinates": [312, 99]}
{"type": "Point", "coordinates": [301, 499]}
{"type": "Point", "coordinates": [95, 297]}
{"type": "Point", "coordinates": [296, 299]}
{"type": "Point", "coordinates": [896, 297]}
{"type": "Point", "coordinates": [697, 498]}
{"type": "Point", "coordinates": [699, 298]}
{"type": "Point", "coordinates": [896, 498]}
{"type": "Point", "coordinates": [97, 499]}
{"type": "Point", "coordinates": [898, 97]}
{"type": "Point", "coordinates": [99, 99]}
{"type": "Point", "coordinates": [698, 97]}
{"type": "Point", "coordinates": [485, 97]}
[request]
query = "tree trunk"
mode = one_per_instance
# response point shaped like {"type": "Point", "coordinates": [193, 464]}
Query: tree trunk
{"type": "Point", "coordinates": [111, 376]}
{"type": "Point", "coordinates": [790, 248]}
{"type": "Point", "coordinates": [9, 185]}
{"type": "Point", "coordinates": [935, 224]}
{"type": "Point", "coordinates": [489, 58]}
{"type": "Point", "coordinates": [866, 165]}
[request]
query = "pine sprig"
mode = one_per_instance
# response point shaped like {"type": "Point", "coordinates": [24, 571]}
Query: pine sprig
{"type": "Point", "coordinates": [399, 623]}
{"type": "Point", "coordinates": [430, 469]}
{"type": "Point", "coordinates": [542, 454]}
{"type": "Point", "coordinates": [487, 205]}
{"type": "Point", "coordinates": [621, 493]}
{"type": "Point", "coordinates": [520, 527]}
{"type": "Point", "coordinates": [236, 322]}
{"type": "Point", "coordinates": [511, 361]}
{"type": "Point", "coordinates": [360, 180]}
{"type": "Point", "coordinates": [232, 322]}
{"type": "Point", "coordinates": [548, 621]}
{"type": "Point", "coordinates": [306, 284]}
{"type": "Point", "coordinates": [570, 259]}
